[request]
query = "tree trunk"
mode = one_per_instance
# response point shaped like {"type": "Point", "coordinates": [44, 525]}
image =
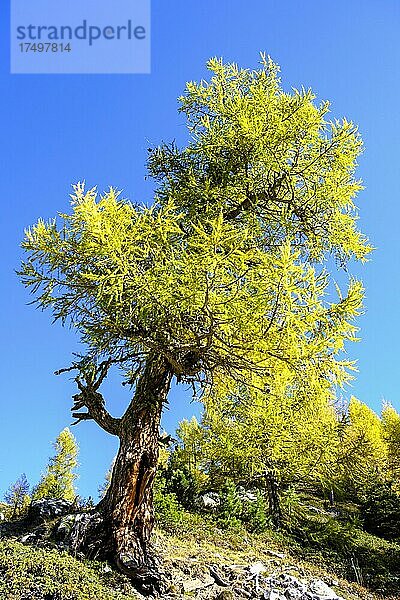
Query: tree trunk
{"type": "Point", "coordinates": [128, 503]}
{"type": "Point", "coordinates": [273, 498]}
{"type": "Point", "coordinates": [124, 518]}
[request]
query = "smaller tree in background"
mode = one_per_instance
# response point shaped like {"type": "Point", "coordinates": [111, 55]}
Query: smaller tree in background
{"type": "Point", "coordinates": [102, 489]}
{"type": "Point", "coordinates": [17, 497]}
{"type": "Point", "coordinates": [231, 506]}
{"type": "Point", "coordinates": [391, 434]}
{"type": "Point", "coordinates": [58, 481]}
{"type": "Point", "coordinates": [363, 452]}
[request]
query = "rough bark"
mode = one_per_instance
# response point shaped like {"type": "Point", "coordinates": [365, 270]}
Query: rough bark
{"type": "Point", "coordinates": [272, 486]}
{"type": "Point", "coordinates": [123, 521]}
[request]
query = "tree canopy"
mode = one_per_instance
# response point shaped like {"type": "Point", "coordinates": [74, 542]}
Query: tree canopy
{"type": "Point", "coordinates": [210, 273]}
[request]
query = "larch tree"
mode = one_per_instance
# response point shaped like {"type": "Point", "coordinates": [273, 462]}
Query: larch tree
{"type": "Point", "coordinates": [191, 447]}
{"type": "Point", "coordinates": [17, 496]}
{"type": "Point", "coordinates": [58, 481]}
{"type": "Point", "coordinates": [363, 452]}
{"type": "Point", "coordinates": [188, 288]}
{"type": "Point", "coordinates": [391, 434]}
{"type": "Point", "coordinates": [102, 489]}
{"type": "Point", "coordinates": [282, 428]}
{"type": "Point", "coordinates": [267, 440]}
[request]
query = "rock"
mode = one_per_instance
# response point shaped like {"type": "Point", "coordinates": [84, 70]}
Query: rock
{"type": "Point", "coordinates": [257, 568]}
{"type": "Point", "coordinates": [107, 569]}
{"type": "Point", "coordinates": [47, 509]}
{"type": "Point", "coordinates": [62, 546]}
{"type": "Point", "coordinates": [64, 528]}
{"type": "Point", "coordinates": [28, 538]}
{"type": "Point", "coordinates": [209, 501]}
{"type": "Point", "coordinates": [293, 594]}
{"type": "Point", "coordinates": [273, 553]}
{"type": "Point", "coordinates": [242, 593]}
{"type": "Point", "coordinates": [192, 585]}
{"type": "Point", "coordinates": [288, 587]}
{"type": "Point", "coordinates": [217, 577]}
{"type": "Point", "coordinates": [226, 594]}
{"type": "Point", "coordinates": [86, 533]}
{"type": "Point", "coordinates": [292, 582]}
{"type": "Point", "coordinates": [322, 590]}
{"type": "Point", "coordinates": [273, 595]}
{"type": "Point", "coordinates": [246, 495]}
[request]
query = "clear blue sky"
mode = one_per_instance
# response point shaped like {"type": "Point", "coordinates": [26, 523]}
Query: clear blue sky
{"type": "Point", "coordinates": [57, 130]}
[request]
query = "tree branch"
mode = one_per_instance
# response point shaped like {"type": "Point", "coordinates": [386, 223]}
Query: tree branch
{"type": "Point", "coordinates": [94, 402]}
{"type": "Point", "coordinates": [88, 380]}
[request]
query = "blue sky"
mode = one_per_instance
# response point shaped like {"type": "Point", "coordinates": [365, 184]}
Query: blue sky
{"type": "Point", "coordinates": [60, 129]}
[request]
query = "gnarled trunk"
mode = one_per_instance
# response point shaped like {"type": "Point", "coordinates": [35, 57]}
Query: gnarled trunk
{"type": "Point", "coordinates": [122, 524]}
{"type": "Point", "coordinates": [128, 503]}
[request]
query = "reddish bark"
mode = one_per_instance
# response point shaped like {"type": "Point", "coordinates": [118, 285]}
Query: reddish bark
{"type": "Point", "coordinates": [128, 504]}
{"type": "Point", "coordinates": [120, 527]}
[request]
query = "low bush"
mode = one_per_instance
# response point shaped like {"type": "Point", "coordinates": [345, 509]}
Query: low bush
{"type": "Point", "coordinates": [380, 511]}
{"type": "Point", "coordinates": [32, 574]}
{"type": "Point", "coordinates": [351, 552]}
{"type": "Point", "coordinates": [255, 515]}
{"type": "Point", "coordinates": [230, 508]}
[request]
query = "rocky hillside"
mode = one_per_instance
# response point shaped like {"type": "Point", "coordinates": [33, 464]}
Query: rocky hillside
{"type": "Point", "coordinates": [200, 561]}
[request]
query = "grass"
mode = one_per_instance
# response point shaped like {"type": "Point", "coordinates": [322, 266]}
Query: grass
{"type": "Point", "coordinates": [193, 542]}
{"type": "Point", "coordinates": [28, 573]}
{"type": "Point", "coordinates": [331, 547]}
{"type": "Point", "coordinates": [318, 545]}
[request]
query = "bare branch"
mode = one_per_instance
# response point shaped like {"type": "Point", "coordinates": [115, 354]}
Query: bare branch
{"type": "Point", "coordinates": [89, 378]}
{"type": "Point", "coordinates": [90, 398]}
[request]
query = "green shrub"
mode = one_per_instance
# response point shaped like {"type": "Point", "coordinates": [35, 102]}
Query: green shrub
{"type": "Point", "coordinates": [352, 553]}
{"type": "Point", "coordinates": [231, 508]}
{"type": "Point", "coordinates": [181, 482]}
{"type": "Point", "coordinates": [291, 508]}
{"type": "Point", "coordinates": [255, 515]}
{"type": "Point", "coordinates": [380, 511]}
{"type": "Point", "coordinates": [168, 511]}
{"type": "Point", "coordinates": [33, 573]}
